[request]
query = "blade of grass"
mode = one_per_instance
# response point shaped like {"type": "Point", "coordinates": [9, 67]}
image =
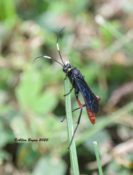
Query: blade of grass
{"type": "Point", "coordinates": [98, 158]}
{"type": "Point", "coordinates": [73, 152]}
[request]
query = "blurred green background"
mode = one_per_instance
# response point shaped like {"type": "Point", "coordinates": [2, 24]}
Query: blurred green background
{"type": "Point", "coordinates": [97, 39]}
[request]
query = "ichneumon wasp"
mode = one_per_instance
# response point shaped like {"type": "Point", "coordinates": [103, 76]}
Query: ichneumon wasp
{"type": "Point", "coordinates": [79, 85]}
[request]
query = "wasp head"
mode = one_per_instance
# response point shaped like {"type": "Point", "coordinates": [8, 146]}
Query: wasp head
{"type": "Point", "coordinates": [67, 67]}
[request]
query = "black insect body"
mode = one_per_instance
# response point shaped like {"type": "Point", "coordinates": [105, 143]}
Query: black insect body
{"type": "Point", "coordinates": [79, 85]}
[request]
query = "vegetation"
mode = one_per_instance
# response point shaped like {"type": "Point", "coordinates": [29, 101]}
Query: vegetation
{"type": "Point", "coordinates": [97, 39]}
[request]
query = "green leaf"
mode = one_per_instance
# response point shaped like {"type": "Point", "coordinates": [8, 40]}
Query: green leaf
{"type": "Point", "coordinates": [50, 166]}
{"type": "Point", "coordinates": [20, 130]}
{"type": "Point", "coordinates": [30, 95]}
{"type": "Point", "coordinates": [5, 135]}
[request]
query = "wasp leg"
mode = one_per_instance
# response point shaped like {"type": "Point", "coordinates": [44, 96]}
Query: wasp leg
{"type": "Point", "coordinates": [75, 128]}
{"type": "Point", "coordinates": [62, 120]}
{"type": "Point", "coordinates": [78, 108]}
{"type": "Point", "coordinates": [69, 92]}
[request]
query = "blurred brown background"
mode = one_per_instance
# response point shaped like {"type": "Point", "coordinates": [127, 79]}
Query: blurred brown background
{"type": "Point", "coordinates": [97, 39]}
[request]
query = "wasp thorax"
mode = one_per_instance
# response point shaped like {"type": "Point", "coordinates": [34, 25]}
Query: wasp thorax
{"type": "Point", "coordinates": [67, 67]}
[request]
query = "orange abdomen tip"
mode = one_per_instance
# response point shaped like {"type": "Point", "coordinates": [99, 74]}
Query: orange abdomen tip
{"type": "Point", "coordinates": [91, 116]}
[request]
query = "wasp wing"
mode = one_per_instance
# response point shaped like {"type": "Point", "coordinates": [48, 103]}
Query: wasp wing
{"type": "Point", "coordinates": [91, 100]}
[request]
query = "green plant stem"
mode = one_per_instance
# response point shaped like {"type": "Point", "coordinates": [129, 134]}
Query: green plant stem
{"type": "Point", "coordinates": [98, 158]}
{"type": "Point", "coordinates": [73, 152]}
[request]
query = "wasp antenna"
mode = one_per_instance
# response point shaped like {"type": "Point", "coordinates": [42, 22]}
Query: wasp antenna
{"type": "Point", "coordinates": [48, 57]}
{"type": "Point", "coordinates": [59, 52]}
{"type": "Point", "coordinates": [42, 56]}
{"type": "Point", "coordinates": [51, 58]}
{"type": "Point", "coordinates": [37, 58]}
{"type": "Point", "coordinates": [57, 45]}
